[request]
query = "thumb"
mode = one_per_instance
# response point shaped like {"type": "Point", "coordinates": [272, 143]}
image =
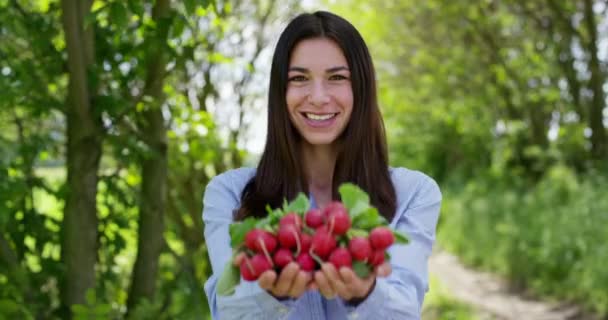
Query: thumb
{"type": "Point", "coordinates": [238, 259]}
{"type": "Point", "coordinates": [384, 270]}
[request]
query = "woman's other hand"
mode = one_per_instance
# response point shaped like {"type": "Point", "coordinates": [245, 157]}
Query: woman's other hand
{"type": "Point", "coordinates": [291, 283]}
{"type": "Point", "coordinates": [345, 284]}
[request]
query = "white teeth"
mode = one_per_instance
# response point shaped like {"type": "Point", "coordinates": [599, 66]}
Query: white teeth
{"type": "Point", "coordinates": [312, 116]}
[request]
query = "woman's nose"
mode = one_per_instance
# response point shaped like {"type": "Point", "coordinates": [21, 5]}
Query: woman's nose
{"type": "Point", "coordinates": [318, 94]}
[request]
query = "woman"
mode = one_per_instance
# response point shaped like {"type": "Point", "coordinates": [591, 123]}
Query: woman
{"type": "Point", "coordinates": [324, 129]}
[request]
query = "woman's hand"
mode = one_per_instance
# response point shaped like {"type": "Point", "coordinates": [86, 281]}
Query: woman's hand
{"type": "Point", "coordinates": [345, 283]}
{"type": "Point", "coordinates": [291, 283]}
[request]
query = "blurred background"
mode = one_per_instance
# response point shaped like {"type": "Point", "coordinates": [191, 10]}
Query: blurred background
{"type": "Point", "coordinates": [114, 115]}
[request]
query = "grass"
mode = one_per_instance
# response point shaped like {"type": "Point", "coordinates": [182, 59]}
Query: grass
{"type": "Point", "coordinates": [440, 305]}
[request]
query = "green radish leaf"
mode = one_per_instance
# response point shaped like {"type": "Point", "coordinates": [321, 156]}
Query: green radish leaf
{"type": "Point", "coordinates": [239, 229]}
{"type": "Point", "coordinates": [299, 205]}
{"type": "Point", "coordinates": [356, 233]}
{"type": "Point", "coordinates": [361, 269]}
{"type": "Point", "coordinates": [230, 278]}
{"type": "Point", "coordinates": [368, 219]}
{"type": "Point", "coordinates": [261, 223]}
{"type": "Point", "coordinates": [387, 256]}
{"type": "Point", "coordinates": [358, 208]}
{"type": "Point", "coordinates": [400, 237]}
{"type": "Point", "coordinates": [351, 194]}
{"type": "Point", "coordinates": [274, 217]}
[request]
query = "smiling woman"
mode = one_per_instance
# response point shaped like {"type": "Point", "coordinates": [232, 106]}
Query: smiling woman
{"type": "Point", "coordinates": [319, 94]}
{"type": "Point", "coordinates": [324, 129]}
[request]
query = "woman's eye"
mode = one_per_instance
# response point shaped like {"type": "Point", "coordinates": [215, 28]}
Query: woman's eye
{"type": "Point", "coordinates": [338, 77]}
{"type": "Point", "coordinates": [297, 78]}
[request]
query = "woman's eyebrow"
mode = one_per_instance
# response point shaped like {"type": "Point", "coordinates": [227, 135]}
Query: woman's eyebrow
{"type": "Point", "coordinates": [336, 69]}
{"type": "Point", "coordinates": [330, 70]}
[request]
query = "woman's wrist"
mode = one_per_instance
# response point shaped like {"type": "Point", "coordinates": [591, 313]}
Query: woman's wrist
{"type": "Point", "coordinates": [357, 301]}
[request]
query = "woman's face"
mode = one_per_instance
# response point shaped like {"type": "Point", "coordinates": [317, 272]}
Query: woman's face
{"type": "Point", "coordinates": [319, 93]}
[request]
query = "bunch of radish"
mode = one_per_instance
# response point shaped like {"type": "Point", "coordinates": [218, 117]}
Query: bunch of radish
{"type": "Point", "coordinates": [348, 233]}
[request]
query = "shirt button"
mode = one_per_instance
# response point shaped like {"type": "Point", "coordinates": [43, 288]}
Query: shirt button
{"type": "Point", "coordinates": [354, 316]}
{"type": "Point", "coordinates": [282, 310]}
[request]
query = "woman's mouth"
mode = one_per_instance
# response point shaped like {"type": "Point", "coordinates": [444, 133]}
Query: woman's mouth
{"type": "Point", "coordinates": [319, 120]}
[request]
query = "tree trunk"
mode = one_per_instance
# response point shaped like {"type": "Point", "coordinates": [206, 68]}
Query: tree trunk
{"type": "Point", "coordinates": [599, 144]}
{"type": "Point", "coordinates": [79, 226]}
{"type": "Point", "coordinates": [154, 167]}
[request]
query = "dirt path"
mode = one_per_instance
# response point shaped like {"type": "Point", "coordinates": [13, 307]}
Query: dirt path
{"type": "Point", "coordinates": [490, 295]}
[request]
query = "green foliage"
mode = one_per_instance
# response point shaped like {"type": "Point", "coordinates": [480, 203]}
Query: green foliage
{"type": "Point", "coordinates": [92, 309]}
{"type": "Point", "coordinates": [34, 79]}
{"type": "Point", "coordinates": [549, 237]}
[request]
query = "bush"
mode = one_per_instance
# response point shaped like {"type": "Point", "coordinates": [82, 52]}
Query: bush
{"type": "Point", "coordinates": [549, 237]}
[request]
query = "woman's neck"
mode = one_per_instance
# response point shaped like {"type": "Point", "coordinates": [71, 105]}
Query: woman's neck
{"type": "Point", "coordinates": [319, 163]}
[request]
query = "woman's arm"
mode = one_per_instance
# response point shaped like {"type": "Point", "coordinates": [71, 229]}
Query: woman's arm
{"type": "Point", "coordinates": [400, 295]}
{"type": "Point", "coordinates": [249, 300]}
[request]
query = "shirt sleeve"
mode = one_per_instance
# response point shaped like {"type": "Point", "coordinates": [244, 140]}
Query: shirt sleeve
{"type": "Point", "coordinates": [400, 296]}
{"type": "Point", "coordinates": [249, 300]}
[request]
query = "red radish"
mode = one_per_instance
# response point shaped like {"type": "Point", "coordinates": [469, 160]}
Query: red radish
{"type": "Point", "coordinates": [338, 222]}
{"type": "Point", "coordinates": [306, 242]}
{"type": "Point", "coordinates": [251, 269]}
{"type": "Point", "coordinates": [377, 258]}
{"type": "Point", "coordinates": [314, 218]}
{"type": "Point", "coordinates": [259, 240]}
{"type": "Point", "coordinates": [360, 248]}
{"type": "Point", "coordinates": [340, 257]}
{"type": "Point", "coordinates": [322, 244]}
{"type": "Point", "coordinates": [291, 218]}
{"type": "Point", "coordinates": [322, 228]}
{"type": "Point", "coordinates": [247, 270]}
{"type": "Point", "coordinates": [282, 257]}
{"type": "Point", "coordinates": [260, 263]}
{"type": "Point", "coordinates": [332, 207]}
{"type": "Point", "coordinates": [289, 236]}
{"type": "Point", "coordinates": [381, 238]}
{"type": "Point", "coordinates": [305, 261]}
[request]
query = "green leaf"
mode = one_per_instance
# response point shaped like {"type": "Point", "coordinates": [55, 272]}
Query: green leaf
{"type": "Point", "coordinates": [359, 207]}
{"type": "Point", "coordinates": [238, 231]}
{"type": "Point", "coordinates": [178, 26]}
{"type": "Point", "coordinates": [400, 237]}
{"type": "Point", "coordinates": [361, 269]}
{"type": "Point", "coordinates": [190, 6]}
{"type": "Point", "coordinates": [90, 19]}
{"type": "Point", "coordinates": [136, 7]}
{"type": "Point", "coordinates": [119, 15]}
{"type": "Point", "coordinates": [299, 205]}
{"type": "Point", "coordinates": [273, 218]}
{"type": "Point", "coordinates": [351, 195]}
{"type": "Point", "coordinates": [230, 278]}
{"type": "Point", "coordinates": [368, 219]}
{"type": "Point", "coordinates": [352, 232]}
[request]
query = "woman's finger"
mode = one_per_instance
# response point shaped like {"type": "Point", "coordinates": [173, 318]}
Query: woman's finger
{"type": "Point", "coordinates": [348, 276]}
{"type": "Point", "coordinates": [324, 287]}
{"type": "Point", "coordinates": [358, 287]}
{"type": "Point", "coordinates": [384, 270]}
{"type": "Point", "coordinates": [299, 284]}
{"type": "Point", "coordinates": [286, 278]}
{"type": "Point", "coordinates": [238, 259]}
{"type": "Point", "coordinates": [267, 279]}
{"type": "Point", "coordinates": [335, 281]}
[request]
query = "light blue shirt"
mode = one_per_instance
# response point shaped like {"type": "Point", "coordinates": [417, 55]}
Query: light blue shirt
{"type": "Point", "coordinates": [398, 296]}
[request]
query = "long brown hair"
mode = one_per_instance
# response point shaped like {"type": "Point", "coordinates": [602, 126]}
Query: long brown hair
{"type": "Point", "coordinates": [363, 157]}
